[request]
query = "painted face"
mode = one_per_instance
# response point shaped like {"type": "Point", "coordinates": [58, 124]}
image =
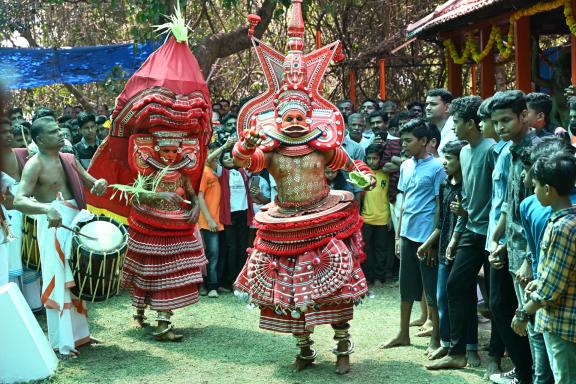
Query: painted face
{"type": "Point", "coordinates": [487, 128]}
{"type": "Point", "coordinates": [168, 154]}
{"type": "Point", "coordinates": [508, 124]}
{"type": "Point", "coordinates": [436, 109]}
{"type": "Point", "coordinates": [411, 145]}
{"type": "Point", "coordinates": [451, 164]}
{"type": "Point", "coordinates": [378, 125]}
{"type": "Point", "coordinates": [373, 160]}
{"type": "Point", "coordinates": [355, 128]}
{"type": "Point", "coordinates": [294, 123]}
{"type": "Point", "coordinates": [460, 127]}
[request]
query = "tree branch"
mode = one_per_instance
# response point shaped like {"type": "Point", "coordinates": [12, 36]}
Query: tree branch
{"type": "Point", "coordinates": [221, 45]}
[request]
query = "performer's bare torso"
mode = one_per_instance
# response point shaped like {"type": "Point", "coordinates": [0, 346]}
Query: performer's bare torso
{"type": "Point", "coordinates": [299, 178]}
{"type": "Point", "coordinates": [51, 179]}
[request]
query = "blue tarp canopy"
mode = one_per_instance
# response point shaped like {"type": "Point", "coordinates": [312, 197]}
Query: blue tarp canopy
{"type": "Point", "coordinates": [35, 67]}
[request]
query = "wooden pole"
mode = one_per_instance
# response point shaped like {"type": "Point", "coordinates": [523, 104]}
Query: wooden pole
{"type": "Point", "coordinates": [473, 75]}
{"type": "Point", "coordinates": [523, 55]}
{"type": "Point", "coordinates": [487, 72]}
{"type": "Point", "coordinates": [455, 72]}
{"type": "Point", "coordinates": [352, 81]}
{"type": "Point", "coordinates": [382, 65]}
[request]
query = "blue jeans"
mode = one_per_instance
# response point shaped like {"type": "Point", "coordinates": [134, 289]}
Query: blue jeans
{"type": "Point", "coordinates": [210, 240]}
{"type": "Point", "coordinates": [541, 363]}
{"type": "Point", "coordinates": [562, 355]}
{"type": "Point", "coordinates": [444, 316]}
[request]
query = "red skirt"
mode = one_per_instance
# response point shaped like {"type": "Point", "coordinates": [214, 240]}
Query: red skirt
{"type": "Point", "coordinates": [163, 272]}
{"type": "Point", "coordinates": [300, 281]}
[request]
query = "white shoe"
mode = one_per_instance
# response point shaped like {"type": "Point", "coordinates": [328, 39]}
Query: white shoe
{"type": "Point", "coordinates": [213, 293]}
{"type": "Point", "coordinates": [503, 378]}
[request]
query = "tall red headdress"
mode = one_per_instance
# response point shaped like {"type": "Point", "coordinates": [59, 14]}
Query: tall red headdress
{"type": "Point", "coordinates": [167, 93]}
{"type": "Point", "coordinates": [294, 78]}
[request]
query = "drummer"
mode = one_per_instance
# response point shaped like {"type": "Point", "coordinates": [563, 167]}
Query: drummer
{"type": "Point", "coordinates": [13, 160]}
{"type": "Point", "coordinates": [51, 188]}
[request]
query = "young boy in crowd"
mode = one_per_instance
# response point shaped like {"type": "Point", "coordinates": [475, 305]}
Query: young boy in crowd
{"type": "Point", "coordinates": [377, 230]}
{"type": "Point", "coordinates": [499, 179]}
{"type": "Point", "coordinates": [509, 113]}
{"type": "Point", "coordinates": [467, 246]}
{"type": "Point", "coordinates": [420, 180]}
{"type": "Point", "coordinates": [87, 146]}
{"type": "Point", "coordinates": [534, 220]}
{"type": "Point", "coordinates": [450, 191]}
{"type": "Point", "coordinates": [552, 296]}
{"type": "Point", "coordinates": [539, 109]}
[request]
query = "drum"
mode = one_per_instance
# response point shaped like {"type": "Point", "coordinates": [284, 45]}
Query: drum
{"type": "Point", "coordinates": [30, 251]}
{"type": "Point", "coordinates": [97, 263]}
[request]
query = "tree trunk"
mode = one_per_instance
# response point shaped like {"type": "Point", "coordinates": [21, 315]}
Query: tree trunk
{"type": "Point", "coordinates": [221, 45]}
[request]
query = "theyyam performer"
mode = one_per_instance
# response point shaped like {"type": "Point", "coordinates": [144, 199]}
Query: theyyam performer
{"type": "Point", "coordinates": [155, 156]}
{"type": "Point", "coordinates": [51, 188]}
{"type": "Point", "coordinates": [304, 267]}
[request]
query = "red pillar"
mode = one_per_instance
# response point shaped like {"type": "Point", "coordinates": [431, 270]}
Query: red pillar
{"type": "Point", "coordinates": [352, 81]}
{"type": "Point", "coordinates": [455, 72]}
{"type": "Point", "coordinates": [523, 52]}
{"type": "Point", "coordinates": [487, 73]}
{"type": "Point", "coordinates": [382, 67]}
{"type": "Point", "coordinates": [318, 39]}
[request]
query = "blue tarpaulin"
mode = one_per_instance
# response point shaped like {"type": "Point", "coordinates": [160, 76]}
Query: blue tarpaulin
{"type": "Point", "coordinates": [35, 67]}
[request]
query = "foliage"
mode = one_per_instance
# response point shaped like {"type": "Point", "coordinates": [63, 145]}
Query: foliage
{"type": "Point", "coordinates": [368, 30]}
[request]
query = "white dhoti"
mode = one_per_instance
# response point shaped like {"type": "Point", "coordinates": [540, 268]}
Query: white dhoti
{"type": "Point", "coordinates": [66, 314]}
{"type": "Point", "coordinates": [4, 277]}
{"type": "Point", "coordinates": [15, 247]}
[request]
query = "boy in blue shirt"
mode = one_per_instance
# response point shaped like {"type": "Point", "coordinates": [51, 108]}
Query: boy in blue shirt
{"type": "Point", "coordinates": [420, 180]}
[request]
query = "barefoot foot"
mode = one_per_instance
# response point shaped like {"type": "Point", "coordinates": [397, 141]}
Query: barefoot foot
{"type": "Point", "coordinates": [438, 353]}
{"type": "Point", "coordinates": [342, 364]}
{"type": "Point", "coordinates": [492, 367]}
{"type": "Point", "coordinates": [302, 363]}
{"type": "Point", "coordinates": [418, 322]}
{"type": "Point", "coordinates": [398, 341]}
{"type": "Point", "coordinates": [448, 362]}
{"type": "Point", "coordinates": [424, 332]}
{"type": "Point", "coordinates": [473, 359]}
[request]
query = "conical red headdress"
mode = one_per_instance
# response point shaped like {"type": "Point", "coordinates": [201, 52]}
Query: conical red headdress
{"type": "Point", "coordinates": [294, 77]}
{"type": "Point", "coordinates": [167, 93]}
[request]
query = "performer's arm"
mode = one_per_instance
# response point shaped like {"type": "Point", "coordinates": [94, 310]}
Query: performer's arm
{"type": "Point", "coordinates": [191, 195]}
{"type": "Point", "coordinates": [247, 154]}
{"type": "Point", "coordinates": [97, 187]}
{"type": "Point", "coordinates": [23, 200]}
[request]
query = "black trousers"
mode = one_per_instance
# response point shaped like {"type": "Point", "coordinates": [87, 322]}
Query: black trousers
{"type": "Point", "coordinates": [461, 287]}
{"type": "Point", "coordinates": [236, 238]}
{"type": "Point", "coordinates": [379, 248]}
{"type": "Point", "coordinates": [503, 304]}
{"type": "Point", "coordinates": [496, 348]}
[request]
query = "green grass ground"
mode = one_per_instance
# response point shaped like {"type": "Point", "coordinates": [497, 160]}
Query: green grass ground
{"type": "Point", "coordinates": [224, 345]}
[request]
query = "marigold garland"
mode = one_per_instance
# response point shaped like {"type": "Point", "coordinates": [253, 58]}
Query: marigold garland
{"type": "Point", "coordinates": [505, 50]}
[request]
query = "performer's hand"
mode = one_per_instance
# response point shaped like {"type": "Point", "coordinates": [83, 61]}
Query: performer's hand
{"type": "Point", "coordinates": [8, 199]}
{"type": "Point", "coordinates": [253, 138]}
{"type": "Point", "coordinates": [54, 218]}
{"type": "Point", "coordinates": [170, 197]}
{"type": "Point", "coordinates": [99, 187]}
{"type": "Point", "coordinates": [193, 215]}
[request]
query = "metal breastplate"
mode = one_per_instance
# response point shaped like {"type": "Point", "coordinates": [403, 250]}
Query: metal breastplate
{"type": "Point", "coordinates": [300, 179]}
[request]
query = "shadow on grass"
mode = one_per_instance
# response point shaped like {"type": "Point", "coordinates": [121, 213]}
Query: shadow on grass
{"type": "Point", "coordinates": [95, 359]}
{"type": "Point", "coordinates": [366, 371]}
